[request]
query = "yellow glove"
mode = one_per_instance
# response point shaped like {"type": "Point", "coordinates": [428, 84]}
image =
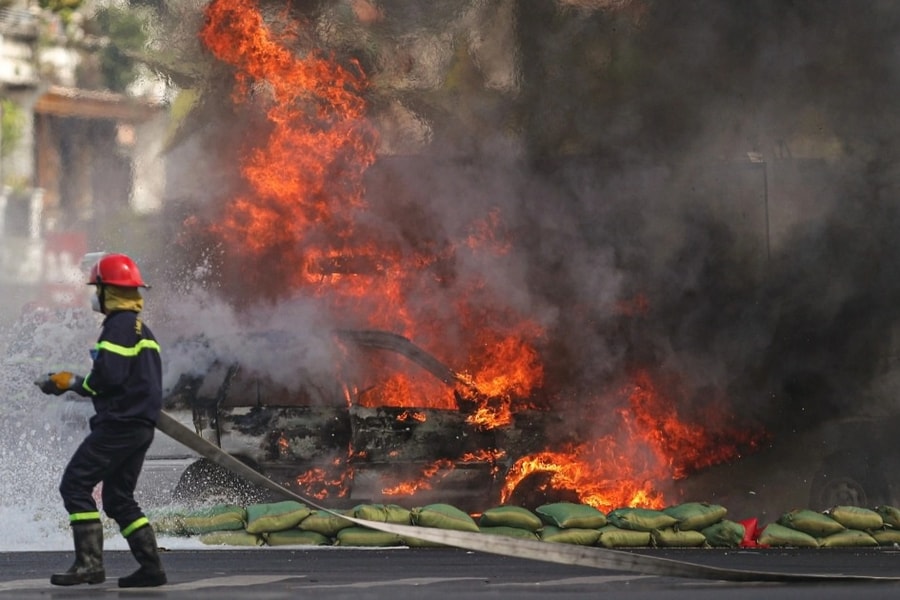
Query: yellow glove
{"type": "Point", "coordinates": [57, 383]}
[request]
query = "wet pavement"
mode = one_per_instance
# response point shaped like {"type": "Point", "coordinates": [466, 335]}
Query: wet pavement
{"type": "Point", "coordinates": [335, 573]}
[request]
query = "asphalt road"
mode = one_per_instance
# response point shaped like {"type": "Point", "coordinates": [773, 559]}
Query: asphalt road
{"type": "Point", "coordinates": [451, 574]}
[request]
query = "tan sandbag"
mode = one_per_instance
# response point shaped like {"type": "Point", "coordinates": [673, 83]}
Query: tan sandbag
{"type": "Point", "coordinates": [889, 514]}
{"type": "Point", "coordinates": [809, 521]}
{"type": "Point", "coordinates": [887, 537]}
{"type": "Point", "coordinates": [296, 537]}
{"type": "Point", "coordinates": [640, 519]}
{"type": "Point", "coordinates": [414, 542]}
{"type": "Point", "coordinates": [570, 514]}
{"type": "Point", "coordinates": [724, 534]}
{"type": "Point", "coordinates": [779, 535]}
{"type": "Point", "coordinates": [167, 522]}
{"type": "Point", "coordinates": [510, 516]}
{"type": "Point", "coordinates": [569, 535]}
{"type": "Point", "coordinates": [513, 532]}
{"type": "Point", "coordinates": [694, 516]}
{"type": "Point", "coordinates": [443, 516]}
{"type": "Point", "coordinates": [383, 513]}
{"type": "Point", "coordinates": [231, 538]}
{"type": "Point", "coordinates": [615, 537]}
{"type": "Point", "coordinates": [275, 516]}
{"type": "Point", "coordinates": [323, 522]}
{"type": "Point", "coordinates": [676, 538]}
{"type": "Point", "coordinates": [221, 517]}
{"type": "Point", "coordinates": [363, 536]}
{"type": "Point", "coordinates": [849, 538]}
{"type": "Point", "coordinates": [855, 517]}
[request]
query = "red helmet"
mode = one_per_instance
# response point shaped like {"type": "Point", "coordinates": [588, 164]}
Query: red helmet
{"type": "Point", "coordinates": [116, 269]}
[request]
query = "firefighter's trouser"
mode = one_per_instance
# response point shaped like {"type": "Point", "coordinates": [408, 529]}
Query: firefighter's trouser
{"type": "Point", "coordinates": [113, 453]}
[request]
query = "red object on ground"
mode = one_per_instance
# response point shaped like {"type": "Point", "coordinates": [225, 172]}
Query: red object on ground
{"type": "Point", "coordinates": [751, 533]}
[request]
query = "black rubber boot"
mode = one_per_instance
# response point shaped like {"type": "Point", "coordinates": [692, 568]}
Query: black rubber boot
{"type": "Point", "coordinates": [88, 566]}
{"type": "Point", "coordinates": [143, 546]}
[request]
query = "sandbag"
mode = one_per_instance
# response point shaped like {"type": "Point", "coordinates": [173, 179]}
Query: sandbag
{"type": "Point", "coordinates": [276, 516]}
{"type": "Point", "coordinates": [849, 538]}
{"type": "Point", "coordinates": [414, 542]}
{"type": "Point", "coordinates": [724, 534]}
{"type": "Point", "coordinates": [231, 538]}
{"type": "Point", "coordinates": [889, 514]}
{"type": "Point", "coordinates": [855, 517]}
{"type": "Point", "coordinates": [167, 523]}
{"type": "Point", "coordinates": [220, 517]}
{"type": "Point", "coordinates": [640, 519]}
{"type": "Point", "coordinates": [569, 535]}
{"type": "Point", "coordinates": [887, 537]}
{"type": "Point", "coordinates": [513, 532]}
{"type": "Point", "coordinates": [383, 513]}
{"type": "Point", "coordinates": [670, 537]}
{"type": "Point", "coordinates": [811, 522]}
{"type": "Point", "coordinates": [694, 516]}
{"type": "Point", "coordinates": [570, 514]}
{"type": "Point", "coordinates": [443, 516]}
{"type": "Point", "coordinates": [363, 536]}
{"type": "Point", "coordinates": [775, 534]}
{"type": "Point", "coordinates": [510, 516]}
{"type": "Point", "coordinates": [296, 537]}
{"type": "Point", "coordinates": [323, 522]}
{"type": "Point", "coordinates": [615, 537]}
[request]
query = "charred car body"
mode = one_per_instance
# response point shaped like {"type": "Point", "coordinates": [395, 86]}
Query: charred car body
{"type": "Point", "coordinates": [323, 440]}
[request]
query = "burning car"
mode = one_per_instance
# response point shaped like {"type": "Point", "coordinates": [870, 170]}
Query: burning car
{"type": "Point", "coordinates": [341, 439]}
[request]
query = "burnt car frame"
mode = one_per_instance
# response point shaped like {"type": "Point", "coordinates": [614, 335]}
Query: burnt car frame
{"type": "Point", "coordinates": [320, 441]}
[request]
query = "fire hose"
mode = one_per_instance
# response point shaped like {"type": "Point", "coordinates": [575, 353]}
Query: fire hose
{"type": "Point", "coordinates": [567, 554]}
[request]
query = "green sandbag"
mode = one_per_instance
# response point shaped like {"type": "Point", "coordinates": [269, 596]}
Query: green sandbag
{"type": "Point", "coordinates": [414, 542]}
{"type": "Point", "coordinates": [670, 537]}
{"type": "Point", "coordinates": [513, 532]}
{"type": "Point", "coordinates": [811, 522]}
{"type": "Point", "coordinates": [221, 517]}
{"type": "Point", "coordinates": [887, 537]}
{"type": "Point", "coordinates": [694, 516]}
{"type": "Point", "coordinates": [889, 514]}
{"type": "Point", "coordinates": [849, 538]}
{"type": "Point", "coordinates": [510, 516]}
{"type": "Point", "coordinates": [323, 522]}
{"type": "Point", "coordinates": [275, 516]}
{"type": "Point", "coordinates": [569, 514]}
{"type": "Point", "coordinates": [614, 537]}
{"type": "Point", "coordinates": [855, 517]}
{"type": "Point", "coordinates": [569, 535]}
{"type": "Point", "coordinates": [724, 534]}
{"type": "Point", "coordinates": [383, 513]}
{"type": "Point", "coordinates": [167, 522]}
{"type": "Point", "coordinates": [363, 536]}
{"type": "Point", "coordinates": [778, 535]}
{"type": "Point", "coordinates": [640, 519]}
{"type": "Point", "coordinates": [443, 516]}
{"type": "Point", "coordinates": [231, 538]}
{"type": "Point", "coordinates": [296, 537]}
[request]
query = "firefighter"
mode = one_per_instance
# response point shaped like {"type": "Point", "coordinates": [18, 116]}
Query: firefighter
{"type": "Point", "coordinates": [125, 386]}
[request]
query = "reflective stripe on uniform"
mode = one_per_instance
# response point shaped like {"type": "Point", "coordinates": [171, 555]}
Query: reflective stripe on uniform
{"type": "Point", "coordinates": [87, 388]}
{"type": "Point", "coordinates": [135, 526]}
{"type": "Point", "coordinates": [85, 516]}
{"type": "Point", "coordinates": [125, 351]}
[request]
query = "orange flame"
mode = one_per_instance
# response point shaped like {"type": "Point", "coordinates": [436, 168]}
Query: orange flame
{"type": "Point", "coordinates": [652, 446]}
{"type": "Point", "coordinates": [302, 207]}
{"type": "Point", "coordinates": [307, 192]}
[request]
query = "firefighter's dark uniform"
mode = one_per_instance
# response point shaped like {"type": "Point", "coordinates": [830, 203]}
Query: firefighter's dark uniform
{"type": "Point", "coordinates": [125, 385]}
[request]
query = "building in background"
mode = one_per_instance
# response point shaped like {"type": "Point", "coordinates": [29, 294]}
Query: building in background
{"type": "Point", "coordinates": [74, 162]}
